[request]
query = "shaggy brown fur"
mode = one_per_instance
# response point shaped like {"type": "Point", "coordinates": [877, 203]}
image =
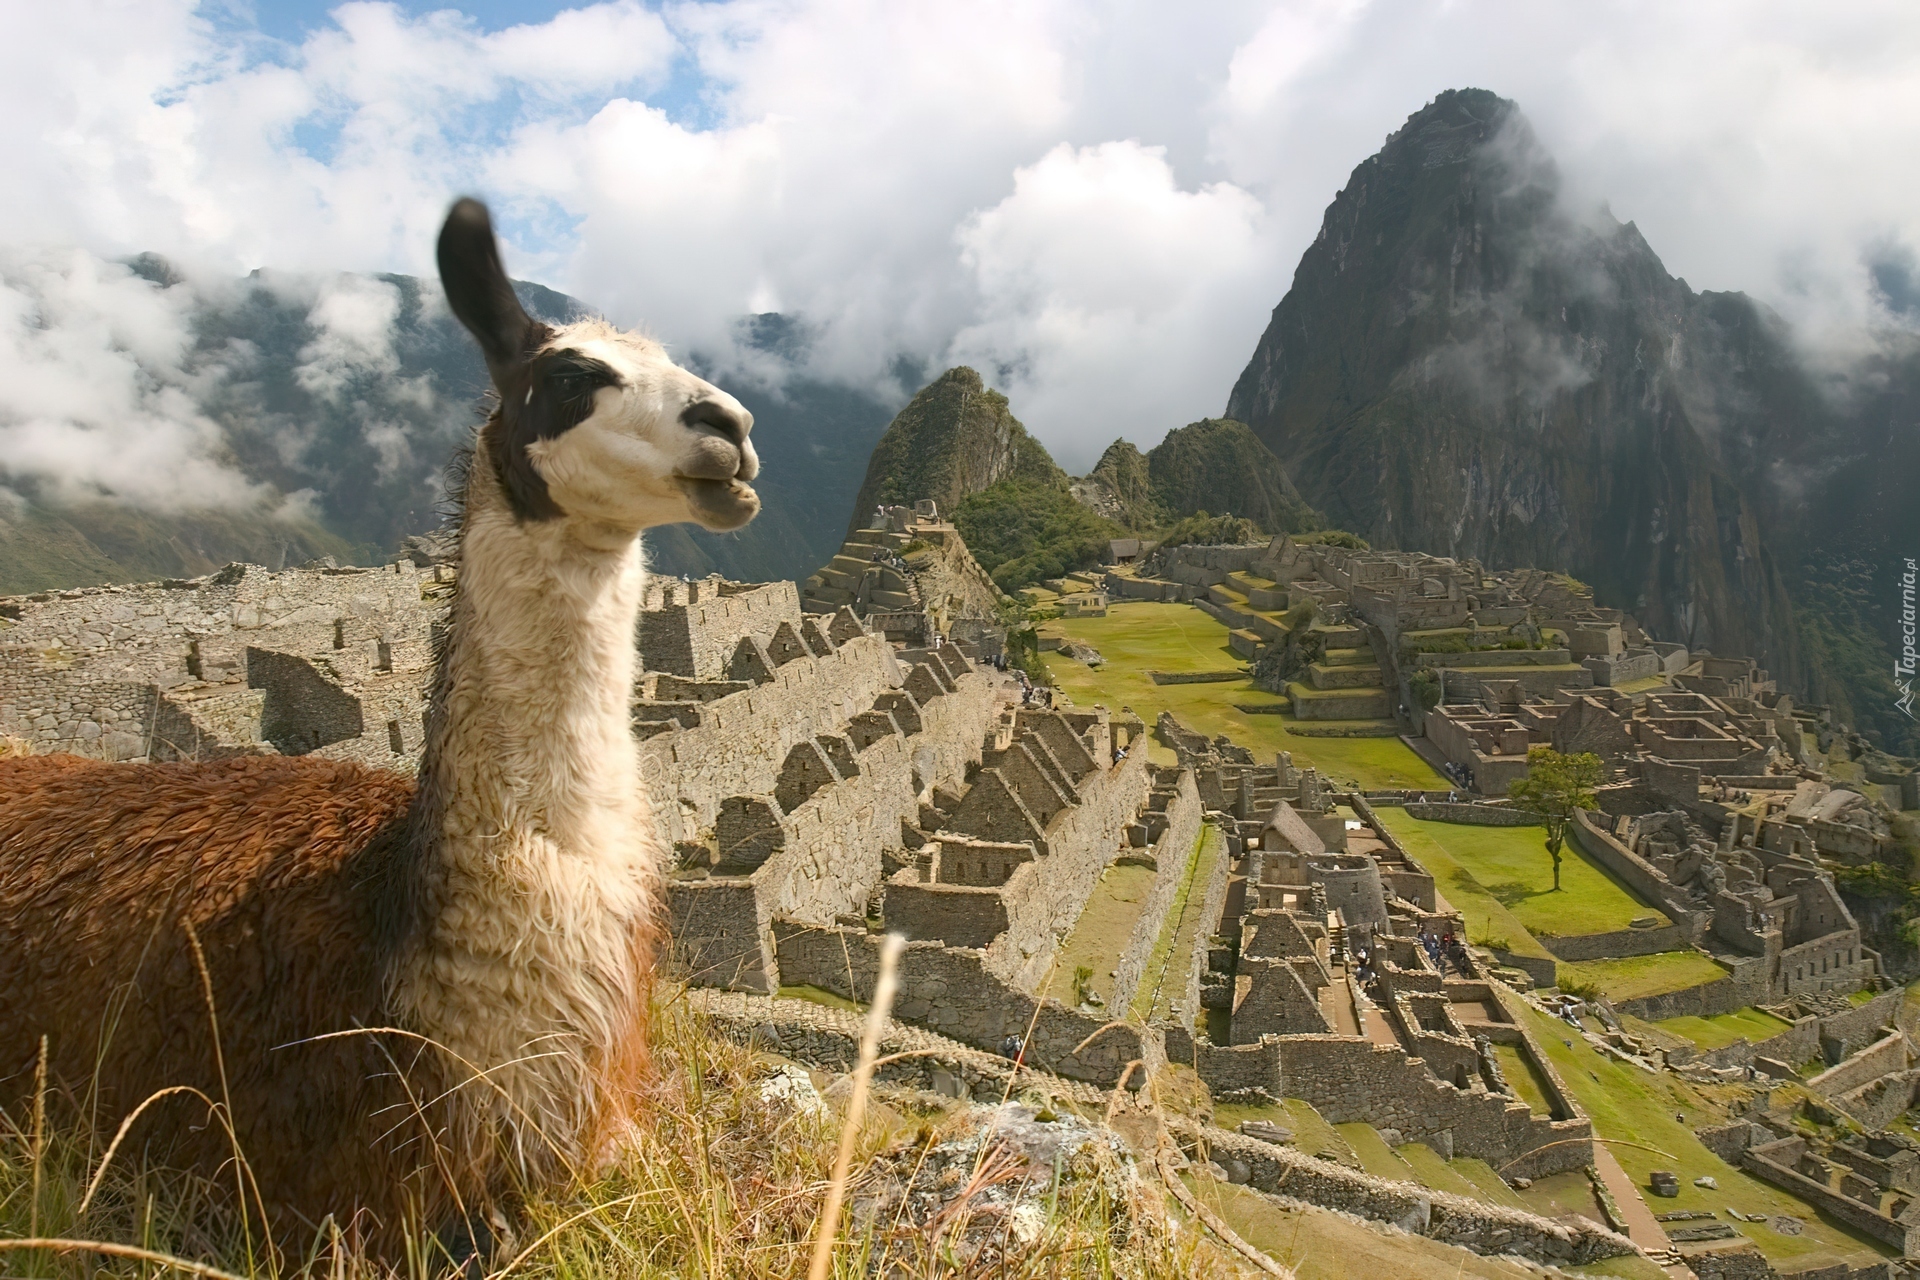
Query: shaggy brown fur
{"type": "Point", "coordinates": [285, 870]}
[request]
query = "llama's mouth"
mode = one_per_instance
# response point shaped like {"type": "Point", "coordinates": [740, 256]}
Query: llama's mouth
{"type": "Point", "coordinates": [720, 505]}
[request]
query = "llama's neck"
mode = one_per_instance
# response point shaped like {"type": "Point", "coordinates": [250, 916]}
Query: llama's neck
{"type": "Point", "coordinates": [533, 728]}
{"type": "Point", "coordinates": [537, 893]}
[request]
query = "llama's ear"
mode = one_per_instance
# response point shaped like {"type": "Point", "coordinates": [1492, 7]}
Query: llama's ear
{"type": "Point", "coordinates": [478, 289]}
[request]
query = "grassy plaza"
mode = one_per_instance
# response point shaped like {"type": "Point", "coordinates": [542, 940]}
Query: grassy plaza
{"type": "Point", "coordinates": [1141, 636]}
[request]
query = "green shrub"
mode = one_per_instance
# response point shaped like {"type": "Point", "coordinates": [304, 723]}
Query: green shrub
{"type": "Point", "coordinates": [1023, 531]}
{"type": "Point", "coordinates": [1574, 987]}
{"type": "Point", "coordinates": [1427, 688]}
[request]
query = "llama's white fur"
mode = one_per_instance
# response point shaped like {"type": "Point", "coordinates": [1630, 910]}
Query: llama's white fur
{"type": "Point", "coordinates": [549, 857]}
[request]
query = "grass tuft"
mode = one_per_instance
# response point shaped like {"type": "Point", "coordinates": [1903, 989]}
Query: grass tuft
{"type": "Point", "coordinates": [725, 1179]}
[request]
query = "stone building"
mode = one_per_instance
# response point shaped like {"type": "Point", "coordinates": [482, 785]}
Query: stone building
{"type": "Point", "coordinates": [324, 659]}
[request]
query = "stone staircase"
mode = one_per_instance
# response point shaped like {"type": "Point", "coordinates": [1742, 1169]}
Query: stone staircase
{"type": "Point", "coordinates": [854, 577]}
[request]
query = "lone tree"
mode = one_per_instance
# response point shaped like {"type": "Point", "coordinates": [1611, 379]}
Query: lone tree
{"type": "Point", "coordinates": [1555, 787]}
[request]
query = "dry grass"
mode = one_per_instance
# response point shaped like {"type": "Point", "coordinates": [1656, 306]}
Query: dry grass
{"type": "Point", "coordinates": [725, 1181]}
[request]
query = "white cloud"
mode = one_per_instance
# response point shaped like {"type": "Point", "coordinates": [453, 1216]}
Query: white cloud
{"type": "Point", "coordinates": [1103, 199]}
{"type": "Point", "coordinates": [99, 399]}
{"type": "Point", "coordinates": [1104, 290]}
{"type": "Point", "coordinates": [354, 316]}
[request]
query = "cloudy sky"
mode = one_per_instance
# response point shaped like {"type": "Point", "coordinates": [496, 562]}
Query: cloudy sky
{"type": "Point", "coordinates": [1096, 204]}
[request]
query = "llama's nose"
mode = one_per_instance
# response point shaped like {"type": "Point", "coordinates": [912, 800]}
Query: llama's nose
{"type": "Point", "coordinates": [729, 421]}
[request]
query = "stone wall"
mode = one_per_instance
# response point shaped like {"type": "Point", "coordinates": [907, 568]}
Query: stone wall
{"type": "Point", "coordinates": [1890, 1054]}
{"type": "Point", "coordinates": [951, 991]}
{"type": "Point", "coordinates": [1236, 1069]}
{"type": "Point", "coordinates": [1745, 986]}
{"type": "Point", "coordinates": [1620, 943]}
{"type": "Point", "coordinates": [1847, 1032]}
{"type": "Point", "coordinates": [741, 741]}
{"type": "Point", "coordinates": [1777, 1162]}
{"type": "Point", "coordinates": [1082, 840]}
{"type": "Point", "coordinates": [910, 1057]}
{"type": "Point", "coordinates": [1172, 854]}
{"type": "Point", "coordinates": [87, 713]}
{"type": "Point", "coordinates": [829, 854]}
{"type": "Point", "coordinates": [692, 629]}
{"type": "Point", "coordinates": [81, 670]}
{"type": "Point", "coordinates": [1831, 962]}
{"type": "Point", "coordinates": [1438, 1215]}
{"type": "Point", "coordinates": [1475, 815]}
{"type": "Point", "coordinates": [1636, 872]}
{"type": "Point", "coordinates": [1878, 1103]}
{"type": "Point", "coordinates": [1347, 1078]}
{"type": "Point", "coordinates": [305, 709]}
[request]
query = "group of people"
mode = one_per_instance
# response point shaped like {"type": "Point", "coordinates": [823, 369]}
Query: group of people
{"type": "Point", "coordinates": [1459, 773]}
{"type": "Point", "coordinates": [1444, 950]}
{"type": "Point", "coordinates": [1723, 793]}
{"type": "Point", "coordinates": [1031, 695]}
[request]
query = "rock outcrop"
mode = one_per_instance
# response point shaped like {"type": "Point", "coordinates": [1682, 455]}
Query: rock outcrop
{"type": "Point", "coordinates": [1219, 466]}
{"type": "Point", "coordinates": [1216, 465]}
{"type": "Point", "coordinates": [1120, 487]}
{"type": "Point", "coordinates": [956, 437]}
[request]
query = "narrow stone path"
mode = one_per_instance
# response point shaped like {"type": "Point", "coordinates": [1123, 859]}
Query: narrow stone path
{"type": "Point", "coordinates": [1336, 1003]}
{"type": "Point", "coordinates": [1642, 1228]}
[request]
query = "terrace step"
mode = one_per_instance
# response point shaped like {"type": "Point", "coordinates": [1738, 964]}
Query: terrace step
{"type": "Point", "coordinates": [1338, 704]}
{"type": "Point", "coordinates": [1344, 677]}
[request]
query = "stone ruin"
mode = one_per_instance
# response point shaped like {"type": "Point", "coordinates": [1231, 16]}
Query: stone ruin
{"type": "Point", "coordinates": [1402, 1041]}
{"type": "Point", "coordinates": [909, 576]}
{"type": "Point", "coordinates": [823, 782]}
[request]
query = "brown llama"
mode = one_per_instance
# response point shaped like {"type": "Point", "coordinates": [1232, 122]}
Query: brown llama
{"type": "Point", "coordinates": [494, 918]}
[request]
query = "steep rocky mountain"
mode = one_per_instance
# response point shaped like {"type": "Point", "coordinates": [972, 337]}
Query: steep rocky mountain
{"type": "Point", "coordinates": [955, 437]}
{"type": "Point", "coordinates": [352, 392]}
{"type": "Point", "coordinates": [1465, 364]}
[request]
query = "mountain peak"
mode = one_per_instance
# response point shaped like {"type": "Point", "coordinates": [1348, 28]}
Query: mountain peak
{"type": "Point", "coordinates": [957, 436]}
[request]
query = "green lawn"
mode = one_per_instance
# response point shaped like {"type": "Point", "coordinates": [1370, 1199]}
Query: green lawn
{"type": "Point", "coordinates": [1376, 1157]}
{"type": "Point", "coordinates": [1628, 1104]}
{"type": "Point", "coordinates": [1636, 976]}
{"type": "Point", "coordinates": [1487, 1185]}
{"type": "Point", "coordinates": [1311, 1133]}
{"type": "Point", "coordinates": [1105, 924]}
{"type": "Point", "coordinates": [1511, 865]}
{"type": "Point", "coordinates": [1525, 1078]}
{"type": "Point", "coordinates": [1437, 1174]}
{"type": "Point", "coordinates": [821, 996]}
{"type": "Point", "coordinates": [1321, 1244]}
{"type": "Point", "coordinates": [1754, 1025]}
{"type": "Point", "coordinates": [1138, 636]}
{"type": "Point", "coordinates": [1488, 921]}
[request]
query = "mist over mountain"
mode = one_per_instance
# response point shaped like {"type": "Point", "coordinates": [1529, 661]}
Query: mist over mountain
{"type": "Point", "coordinates": [1467, 365]}
{"type": "Point", "coordinates": [162, 426]}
